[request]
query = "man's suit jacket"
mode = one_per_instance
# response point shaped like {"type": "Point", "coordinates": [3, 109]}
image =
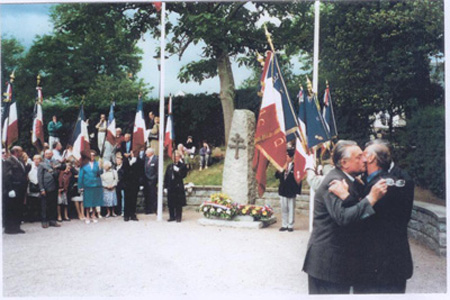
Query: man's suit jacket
{"type": "Point", "coordinates": [48, 176]}
{"type": "Point", "coordinates": [15, 176]}
{"type": "Point", "coordinates": [173, 182]}
{"type": "Point", "coordinates": [387, 256]}
{"type": "Point", "coordinates": [333, 253]}
{"type": "Point", "coordinates": [133, 173]}
{"type": "Point", "coordinates": [288, 186]}
{"type": "Point", "coordinates": [123, 147]}
{"type": "Point", "coordinates": [151, 169]}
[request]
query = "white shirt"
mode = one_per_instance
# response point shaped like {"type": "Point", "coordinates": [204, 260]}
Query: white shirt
{"type": "Point", "coordinates": [32, 175]}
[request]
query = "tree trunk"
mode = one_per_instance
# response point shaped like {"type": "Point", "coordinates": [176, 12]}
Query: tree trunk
{"type": "Point", "coordinates": [227, 89]}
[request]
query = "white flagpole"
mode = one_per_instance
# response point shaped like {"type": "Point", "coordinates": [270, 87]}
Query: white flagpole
{"type": "Point", "coordinates": [316, 46]}
{"type": "Point", "coordinates": [315, 90]}
{"type": "Point", "coordinates": [161, 113]}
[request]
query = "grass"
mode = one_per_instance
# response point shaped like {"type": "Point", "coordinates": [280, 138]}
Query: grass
{"type": "Point", "coordinates": [210, 176]}
{"type": "Point", "coordinates": [213, 175]}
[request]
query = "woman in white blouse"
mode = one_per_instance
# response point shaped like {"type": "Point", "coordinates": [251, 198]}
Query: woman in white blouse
{"type": "Point", "coordinates": [109, 183]}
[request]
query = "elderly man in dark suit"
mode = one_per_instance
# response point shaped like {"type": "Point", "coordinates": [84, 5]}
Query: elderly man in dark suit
{"type": "Point", "coordinates": [14, 186]}
{"type": "Point", "coordinates": [133, 174]}
{"type": "Point", "coordinates": [126, 146]}
{"type": "Point", "coordinates": [48, 184]}
{"type": "Point", "coordinates": [150, 181]}
{"type": "Point", "coordinates": [173, 183]}
{"type": "Point", "coordinates": [386, 261]}
{"type": "Point", "coordinates": [331, 259]}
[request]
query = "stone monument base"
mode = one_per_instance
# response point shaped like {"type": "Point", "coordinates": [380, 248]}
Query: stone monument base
{"type": "Point", "coordinates": [238, 222]}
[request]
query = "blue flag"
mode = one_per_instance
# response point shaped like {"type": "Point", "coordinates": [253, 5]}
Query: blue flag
{"type": "Point", "coordinates": [290, 123]}
{"type": "Point", "coordinates": [312, 120]}
{"type": "Point", "coordinates": [328, 114]}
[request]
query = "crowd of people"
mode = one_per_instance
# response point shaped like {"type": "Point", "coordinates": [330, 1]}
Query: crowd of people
{"type": "Point", "coordinates": [101, 187]}
{"type": "Point", "coordinates": [362, 203]}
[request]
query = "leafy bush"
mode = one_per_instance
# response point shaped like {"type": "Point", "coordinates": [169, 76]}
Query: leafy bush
{"type": "Point", "coordinates": [424, 143]}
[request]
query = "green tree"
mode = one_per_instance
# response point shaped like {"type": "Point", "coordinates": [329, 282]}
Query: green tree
{"type": "Point", "coordinates": [89, 44]}
{"type": "Point", "coordinates": [12, 56]}
{"type": "Point", "coordinates": [377, 57]}
{"type": "Point", "coordinates": [227, 30]}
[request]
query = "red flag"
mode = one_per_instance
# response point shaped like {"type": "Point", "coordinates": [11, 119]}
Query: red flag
{"type": "Point", "coordinates": [260, 164]}
{"type": "Point", "coordinates": [303, 157]}
{"type": "Point", "coordinates": [111, 129]}
{"type": "Point", "coordinates": [169, 136]}
{"type": "Point", "coordinates": [157, 5]}
{"type": "Point", "coordinates": [270, 136]}
{"type": "Point", "coordinates": [139, 129]}
{"type": "Point", "coordinates": [37, 137]}
{"type": "Point", "coordinates": [80, 138]}
{"type": "Point", "coordinates": [10, 132]}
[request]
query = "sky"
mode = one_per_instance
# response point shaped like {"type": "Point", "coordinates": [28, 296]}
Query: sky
{"type": "Point", "coordinates": [26, 21]}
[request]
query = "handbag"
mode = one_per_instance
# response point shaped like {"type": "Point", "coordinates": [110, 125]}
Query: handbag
{"type": "Point", "coordinates": [34, 188]}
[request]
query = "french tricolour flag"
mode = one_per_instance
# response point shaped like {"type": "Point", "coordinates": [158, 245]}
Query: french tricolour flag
{"type": "Point", "coordinates": [111, 130]}
{"type": "Point", "coordinates": [270, 135]}
{"type": "Point", "coordinates": [328, 114]}
{"type": "Point", "coordinates": [169, 135]}
{"type": "Point", "coordinates": [139, 129]}
{"type": "Point", "coordinates": [80, 137]}
{"type": "Point", "coordinates": [303, 156]}
{"type": "Point", "coordinates": [10, 132]}
{"type": "Point", "coordinates": [37, 136]}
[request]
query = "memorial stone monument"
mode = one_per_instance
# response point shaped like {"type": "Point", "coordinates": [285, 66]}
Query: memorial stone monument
{"type": "Point", "coordinates": [238, 176]}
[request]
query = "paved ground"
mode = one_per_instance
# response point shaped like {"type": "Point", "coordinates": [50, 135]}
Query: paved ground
{"type": "Point", "coordinates": [150, 258]}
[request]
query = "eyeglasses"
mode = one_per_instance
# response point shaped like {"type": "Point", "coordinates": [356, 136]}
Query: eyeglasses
{"type": "Point", "coordinates": [397, 183]}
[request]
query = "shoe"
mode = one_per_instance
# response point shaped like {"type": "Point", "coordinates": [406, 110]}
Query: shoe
{"type": "Point", "coordinates": [171, 220]}
{"type": "Point", "coordinates": [44, 225]}
{"type": "Point", "coordinates": [178, 220]}
{"type": "Point", "coordinates": [60, 221]}
{"type": "Point", "coordinates": [126, 219]}
{"type": "Point", "coordinates": [87, 221]}
{"type": "Point", "coordinates": [134, 218]}
{"type": "Point", "coordinates": [114, 215]}
{"type": "Point", "coordinates": [283, 229]}
{"type": "Point", "coordinates": [100, 216]}
{"type": "Point", "coordinates": [16, 231]}
{"type": "Point", "coordinates": [95, 221]}
{"type": "Point", "coordinates": [107, 216]}
{"type": "Point", "coordinates": [54, 224]}
{"type": "Point", "coordinates": [290, 229]}
{"type": "Point", "coordinates": [66, 220]}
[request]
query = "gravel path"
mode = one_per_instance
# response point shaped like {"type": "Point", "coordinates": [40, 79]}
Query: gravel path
{"type": "Point", "coordinates": [150, 258]}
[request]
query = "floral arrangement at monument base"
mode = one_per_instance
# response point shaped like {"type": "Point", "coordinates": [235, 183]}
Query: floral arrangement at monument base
{"type": "Point", "coordinates": [257, 212]}
{"type": "Point", "coordinates": [219, 206]}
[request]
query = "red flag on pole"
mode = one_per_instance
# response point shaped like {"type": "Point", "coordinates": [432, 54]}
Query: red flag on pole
{"type": "Point", "coordinates": [80, 138]}
{"type": "Point", "coordinates": [169, 135]}
{"type": "Point", "coordinates": [270, 136]}
{"type": "Point", "coordinates": [111, 129]}
{"type": "Point", "coordinates": [303, 157]}
{"type": "Point", "coordinates": [157, 5]}
{"type": "Point", "coordinates": [139, 129]}
{"type": "Point", "coordinates": [10, 132]}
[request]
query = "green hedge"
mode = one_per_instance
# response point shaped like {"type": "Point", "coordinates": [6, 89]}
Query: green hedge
{"type": "Point", "coordinates": [423, 145]}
